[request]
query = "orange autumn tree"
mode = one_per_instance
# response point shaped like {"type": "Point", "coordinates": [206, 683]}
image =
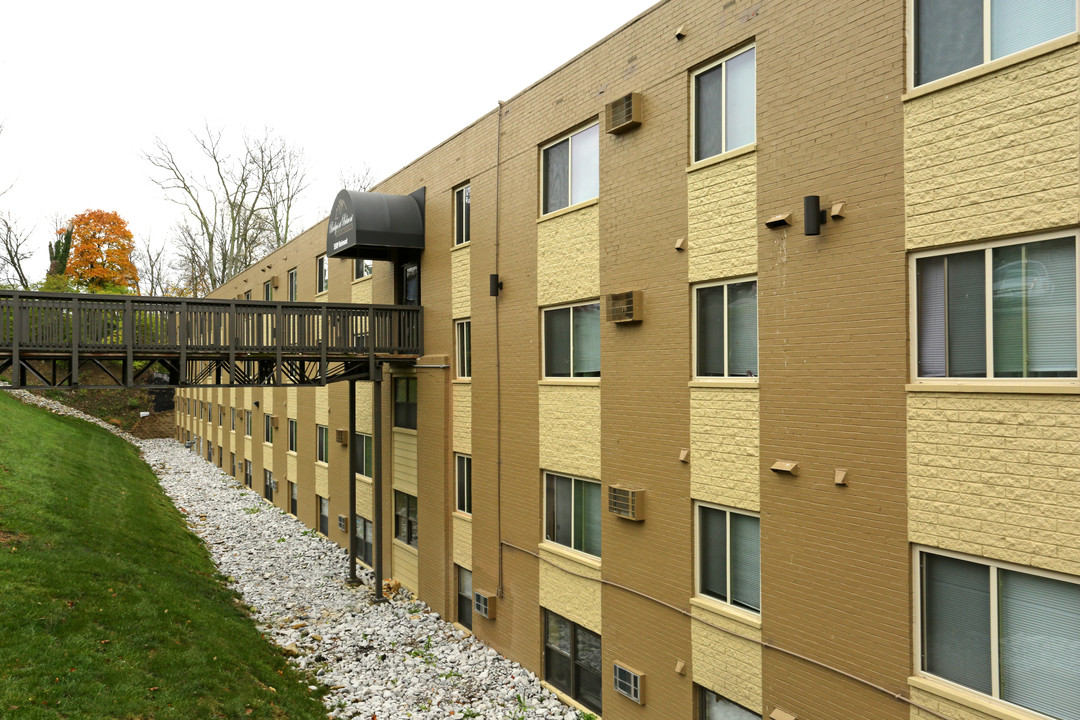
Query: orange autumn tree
{"type": "Point", "coordinates": [101, 250]}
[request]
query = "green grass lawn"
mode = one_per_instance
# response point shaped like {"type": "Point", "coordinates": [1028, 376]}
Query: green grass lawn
{"type": "Point", "coordinates": [109, 607]}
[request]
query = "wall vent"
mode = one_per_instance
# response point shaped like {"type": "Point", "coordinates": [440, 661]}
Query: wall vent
{"type": "Point", "coordinates": [626, 502]}
{"type": "Point", "coordinates": [623, 114]}
{"type": "Point", "coordinates": [625, 307]}
{"type": "Point", "coordinates": [484, 604]}
{"type": "Point", "coordinates": [630, 683]}
{"type": "Point", "coordinates": [342, 436]}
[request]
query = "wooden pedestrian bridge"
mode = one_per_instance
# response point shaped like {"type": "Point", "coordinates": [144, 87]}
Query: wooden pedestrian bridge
{"type": "Point", "coordinates": [49, 339]}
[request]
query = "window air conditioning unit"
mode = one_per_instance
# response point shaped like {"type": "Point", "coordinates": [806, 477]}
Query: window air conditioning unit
{"type": "Point", "coordinates": [623, 114]}
{"type": "Point", "coordinates": [625, 307]}
{"type": "Point", "coordinates": [273, 421]}
{"type": "Point", "coordinates": [630, 683]}
{"type": "Point", "coordinates": [342, 436]}
{"type": "Point", "coordinates": [626, 502]}
{"type": "Point", "coordinates": [274, 282]}
{"type": "Point", "coordinates": [341, 523]}
{"type": "Point", "coordinates": [484, 604]}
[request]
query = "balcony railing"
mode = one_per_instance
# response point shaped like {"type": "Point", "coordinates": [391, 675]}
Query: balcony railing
{"type": "Point", "coordinates": [58, 326]}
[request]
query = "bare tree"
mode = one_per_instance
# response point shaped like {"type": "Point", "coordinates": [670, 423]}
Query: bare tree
{"type": "Point", "coordinates": [153, 268]}
{"type": "Point", "coordinates": [237, 211]}
{"type": "Point", "coordinates": [362, 179]}
{"type": "Point", "coordinates": [13, 253]}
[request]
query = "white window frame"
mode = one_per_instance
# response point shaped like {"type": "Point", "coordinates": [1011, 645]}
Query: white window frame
{"type": "Point", "coordinates": [727, 559]}
{"type": "Point", "coordinates": [293, 430]}
{"type": "Point", "coordinates": [543, 343]}
{"type": "Point", "coordinates": [268, 429]}
{"type": "Point", "coordinates": [322, 444]}
{"type": "Point", "coordinates": [232, 419]}
{"type": "Point", "coordinates": [268, 291]}
{"type": "Point", "coordinates": [294, 287]}
{"type": "Point", "coordinates": [366, 268]}
{"type": "Point", "coordinates": [463, 351]}
{"type": "Point", "coordinates": [467, 189]}
{"type": "Point", "coordinates": [987, 248]}
{"type": "Point", "coordinates": [995, 644]}
{"type": "Point", "coordinates": [322, 275]}
{"type": "Point", "coordinates": [726, 377]}
{"type": "Point", "coordinates": [573, 530]}
{"type": "Point", "coordinates": [723, 102]}
{"type": "Point", "coordinates": [912, 42]}
{"type": "Point", "coordinates": [247, 423]}
{"type": "Point", "coordinates": [458, 480]}
{"type": "Point", "coordinates": [569, 168]}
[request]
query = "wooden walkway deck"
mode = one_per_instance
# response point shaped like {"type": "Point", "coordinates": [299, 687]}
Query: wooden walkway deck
{"type": "Point", "coordinates": [46, 338]}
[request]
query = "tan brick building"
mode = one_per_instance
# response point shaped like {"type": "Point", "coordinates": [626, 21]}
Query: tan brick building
{"type": "Point", "coordinates": [856, 455]}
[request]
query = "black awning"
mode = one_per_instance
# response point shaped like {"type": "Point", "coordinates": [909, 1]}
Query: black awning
{"type": "Point", "coordinates": [374, 225]}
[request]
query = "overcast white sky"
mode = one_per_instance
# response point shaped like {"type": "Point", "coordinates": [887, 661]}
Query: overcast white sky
{"type": "Point", "coordinates": [85, 87]}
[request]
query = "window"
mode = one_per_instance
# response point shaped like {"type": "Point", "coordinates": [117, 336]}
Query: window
{"type": "Point", "coordinates": [405, 517]}
{"type": "Point", "coordinates": [232, 418]}
{"type": "Point", "coordinates": [461, 216]}
{"type": "Point", "coordinates": [268, 485]}
{"type": "Point", "coordinates": [1003, 310]}
{"type": "Point", "coordinates": [220, 416]}
{"type": "Point", "coordinates": [726, 341]}
{"type": "Point", "coordinates": [322, 443]}
{"type": "Point", "coordinates": [729, 557]}
{"type": "Point", "coordinates": [626, 682]}
{"type": "Point", "coordinates": [322, 276]}
{"type": "Point", "coordinates": [717, 707]}
{"type": "Point", "coordinates": [572, 660]}
{"type": "Point", "coordinates": [361, 268]}
{"type": "Point", "coordinates": [324, 516]}
{"type": "Point", "coordinates": [292, 285]}
{"type": "Point", "coordinates": [220, 456]}
{"type": "Point", "coordinates": [572, 513]}
{"type": "Point", "coordinates": [950, 35]}
{"type": "Point", "coordinates": [292, 435]}
{"type": "Point", "coordinates": [464, 483]}
{"type": "Point", "coordinates": [232, 464]}
{"type": "Point", "coordinates": [405, 403]}
{"type": "Point", "coordinates": [464, 596]}
{"type": "Point", "coordinates": [364, 537]}
{"type": "Point", "coordinates": [463, 331]}
{"type": "Point", "coordinates": [247, 295]}
{"type": "Point", "coordinates": [293, 496]}
{"type": "Point", "coordinates": [572, 341]}
{"type": "Point", "coordinates": [571, 169]}
{"type": "Point", "coordinates": [365, 458]}
{"type": "Point", "coordinates": [268, 290]}
{"type": "Point", "coordinates": [268, 429]}
{"type": "Point", "coordinates": [247, 422]}
{"type": "Point", "coordinates": [1002, 631]}
{"type": "Point", "coordinates": [724, 102]}
{"type": "Point", "coordinates": [247, 473]}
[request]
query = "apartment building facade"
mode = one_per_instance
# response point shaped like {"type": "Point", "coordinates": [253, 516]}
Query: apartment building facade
{"type": "Point", "coordinates": [692, 459]}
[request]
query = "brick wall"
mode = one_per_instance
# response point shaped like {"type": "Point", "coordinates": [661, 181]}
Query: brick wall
{"type": "Point", "coordinates": [724, 446]}
{"type": "Point", "coordinates": [996, 476]}
{"type": "Point", "coordinates": [997, 155]}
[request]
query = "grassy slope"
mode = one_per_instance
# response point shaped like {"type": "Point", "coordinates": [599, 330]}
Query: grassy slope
{"type": "Point", "coordinates": [109, 607]}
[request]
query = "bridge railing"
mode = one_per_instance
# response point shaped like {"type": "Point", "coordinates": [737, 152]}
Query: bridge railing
{"type": "Point", "coordinates": [61, 322]}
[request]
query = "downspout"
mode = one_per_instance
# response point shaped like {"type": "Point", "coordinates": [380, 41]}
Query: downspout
{"type": "Point", "coordinates": [498, 366]}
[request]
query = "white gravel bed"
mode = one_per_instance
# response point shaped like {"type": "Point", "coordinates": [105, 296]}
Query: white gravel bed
{"type": "Point", "coordinates": [387, 661]}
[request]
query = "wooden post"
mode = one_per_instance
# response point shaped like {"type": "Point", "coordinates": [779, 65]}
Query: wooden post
{"type": "Point", "coordinates": [129, 342]}
{"type": "Point", "coordinates": [16, 336]}
{"type": "Point", "coordinates": [183, 342]}
{"type": "Point", "coordinates": [76, 332]}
